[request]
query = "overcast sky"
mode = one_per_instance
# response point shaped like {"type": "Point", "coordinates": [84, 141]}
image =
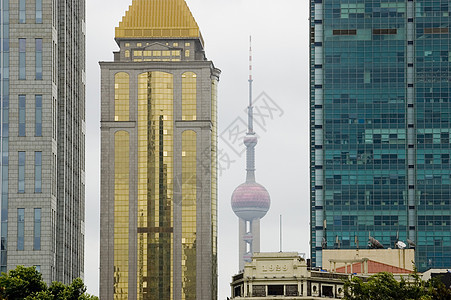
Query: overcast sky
{"type": "Point", "coordinates": [279, 32]}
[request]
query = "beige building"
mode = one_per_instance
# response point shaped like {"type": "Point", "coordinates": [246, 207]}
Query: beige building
{"type": "Point", "coordinates": [284, 275]}
{"type": "Point", "coordinates": [369, 261]}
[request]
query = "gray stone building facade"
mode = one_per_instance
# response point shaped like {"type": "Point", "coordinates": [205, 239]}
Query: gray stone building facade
{"type": "Point", "coordinates": [158, 159]}
{"type": "Point", "coordinates": [43, 136]}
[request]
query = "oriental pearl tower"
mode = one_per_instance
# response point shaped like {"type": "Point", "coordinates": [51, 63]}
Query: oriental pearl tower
{"type": "Point", "coordinates": [250, 200]}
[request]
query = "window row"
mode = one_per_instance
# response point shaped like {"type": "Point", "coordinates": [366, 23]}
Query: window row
{"type": "Point", "coordinates": [23, 59]}
{"type": "Point", "coordinates": [23, 11]}
{"type": "Point", "coordinates": [37, 115]}
{"type": "Point", "coordinates": [21, 229]}
{"type": "Point", "coordinates": [37, 172]}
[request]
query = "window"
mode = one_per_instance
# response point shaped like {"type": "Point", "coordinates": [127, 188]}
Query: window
{"type": "Point", "coordinates": [37, 229]}
{"type": "Point", "coordinates": [187, 44]}
{"type": "Point", "coordinates": [20, 228]}
{"type": "Point", "coordinates": [436, 30]}
{"type": "Point", "coordinates": [22, 115]}
{"type": "Point", "coordinates": [274, 290]}
{"type": "Point", "coordinates": [38, 59]}
{"type": "Point", "coordinates": [259, 291]}
{"type": "Point", "coordinates": [38, 268]}
{"type": "Point", "coordinates": [328, 291]}
{"type": "Point", "coordinates": [186, 53]}
{"type": "Point", "coordinates": [384, 31]}
{"type": "Point", "coordinates": [38, 11]}
{"type": "Point", "coordinates": [237, 291]}
{"type": "Point", "coordinates": [344, 32]}
{"type": "Point", "coordinates": [38, 115]}
{"type": "Point", "coordinates": [38, 172]}
{"type": "Point", "coordinates": [21, 181]}
{"type": "Point", "coordinates": [291, 290]}
{"type": "Point", "coordinates": [22, 11]}
{"type": "Point", "coordinates": [55, 63]}
{"type": "Point", "coordinates": [22, 60]}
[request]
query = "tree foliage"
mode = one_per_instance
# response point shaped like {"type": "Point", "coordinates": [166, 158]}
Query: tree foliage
{"type": "Point", "coordinates": [384, 286]}
{"type": "Point", "coordinates": [26, 284]}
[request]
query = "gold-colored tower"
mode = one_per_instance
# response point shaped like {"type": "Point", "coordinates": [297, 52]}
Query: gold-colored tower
{"type": "Point", "coordinates": [158, 194]}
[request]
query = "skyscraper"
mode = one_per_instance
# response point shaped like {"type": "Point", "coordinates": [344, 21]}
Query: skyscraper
{"type": "Point", "coordinates": [250, 200]}
{"type": "Point", "coordinates": [380, 126]}
{"type": "Point", "coordinates": [158, 161]}
{"type": "Point", "coordinates": [43, 136]}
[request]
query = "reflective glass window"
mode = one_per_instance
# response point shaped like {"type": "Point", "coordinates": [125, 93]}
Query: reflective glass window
{"type": "Point", "coordinates": [38, 11]}
{"type": "Point", "coordinates": [22, 115]}
{"type": "Point", "coordinates": [38, 172]}
{"type": "Point", "coordinates": [121, 97]}
{"type": "Point", "coordinates": [22, 11]}
{"type": "Point", "coordinates": [4, 56]}
{"type": "Point", "coordinates": [189, 96]}
{"type": "Point", "coordinates": [21, 177]}
{"type": "Point", "coordinates": [121, 212]}
{"type": "Point", "coordinates": [189, 213]}
{"type": "Point", "coordinates": [22, 59]}
{"type": "Point", "coordinates": [37, 229]}
{"type": "Point", "coordinates": [38, 59]}
{"type": "Point", "coordinates": [20, 228]}
{"type": "Point", "coordinates": [155, 187]}
{"type": "Point", "coordinates": [38, 115]}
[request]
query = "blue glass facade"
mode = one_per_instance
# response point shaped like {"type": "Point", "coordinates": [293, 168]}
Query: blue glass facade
{"type": "Point", "coordinates": [380, 126]}
{"type": "Point", "coordinates": [4, 86]}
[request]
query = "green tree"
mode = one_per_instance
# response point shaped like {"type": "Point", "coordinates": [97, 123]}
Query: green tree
{"type": "Point", "coordinates": [26, 284]}
{"type": "Point", "coordinates": [384, 286]}
{"type": "Point", "coordinates": [20, 283]}
{"type": "Point", "coordinates": [438, 290]}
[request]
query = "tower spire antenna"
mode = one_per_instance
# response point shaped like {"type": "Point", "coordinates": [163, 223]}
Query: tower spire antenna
{"type": "Point", "coordinates": [250, 123]}
{"type": "Point", "coordinates": [250, 200]}
{"type": "Point", "coordinates": [250, 141]}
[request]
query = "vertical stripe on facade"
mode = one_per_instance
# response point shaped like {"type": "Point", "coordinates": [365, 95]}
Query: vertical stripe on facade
{"type": "Point", "coordinates": [189, 214]}
{"type": "Point", "coordinates": [121, 213]}
{"type": "Point", "coordinates": [155, 185]}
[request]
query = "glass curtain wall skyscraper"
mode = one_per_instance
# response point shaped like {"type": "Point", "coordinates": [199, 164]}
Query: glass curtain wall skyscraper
{"type": "Point", "coordinates": [158, 159]}
{"type": "Point", "coordinates": [42, 136]}
{"type": "Point", "coordinates": [380, 126]}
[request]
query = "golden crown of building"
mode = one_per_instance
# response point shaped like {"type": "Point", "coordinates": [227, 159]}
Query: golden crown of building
{"type": "Point", "coordinates": [158, 19]}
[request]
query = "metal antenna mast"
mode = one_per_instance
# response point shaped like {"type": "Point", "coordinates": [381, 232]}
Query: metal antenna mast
{"type": "Point", "coordinates": [250, 141]}
{"type": "Point", "coordinates": [250, 122]}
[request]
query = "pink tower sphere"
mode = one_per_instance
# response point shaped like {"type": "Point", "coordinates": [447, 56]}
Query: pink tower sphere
{"type": "Point", "coordinates": [250, 201]}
